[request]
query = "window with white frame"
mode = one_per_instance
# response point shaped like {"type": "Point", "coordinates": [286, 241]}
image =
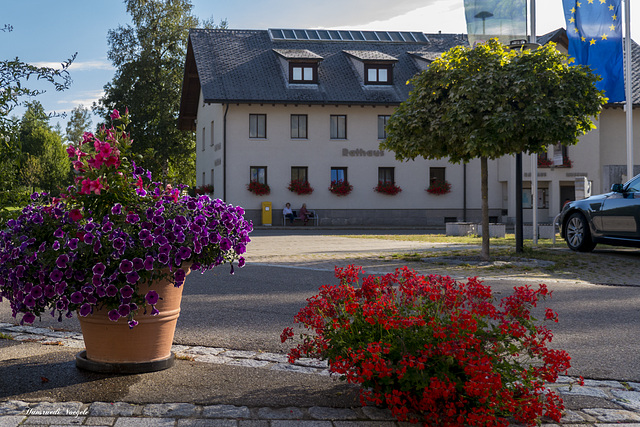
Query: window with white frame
{"type": "Point", "coordinates": [257, 125]}
{"type": "Point", "coordinates": [338, 127]}
{"type": "Point", "coordinates": [382, 126]}
{"type": "Point", "coordinates": [299, 126]}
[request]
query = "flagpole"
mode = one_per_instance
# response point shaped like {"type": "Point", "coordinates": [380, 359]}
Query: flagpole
{"type": "Point", "coordinates": [628, 89]}
{"type": "Point", "coordinates": [534, 156]}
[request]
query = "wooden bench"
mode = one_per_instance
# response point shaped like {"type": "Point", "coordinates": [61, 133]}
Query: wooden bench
{"type": "Point", "coordinates": [311, 216]}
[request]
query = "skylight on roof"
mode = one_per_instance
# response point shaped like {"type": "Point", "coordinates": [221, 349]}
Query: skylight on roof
{"type": "Point", "coordinates": [281, 34]}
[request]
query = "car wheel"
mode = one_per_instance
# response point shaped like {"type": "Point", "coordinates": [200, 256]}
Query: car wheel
{"type": "Point", "coordinates": [578, 236]}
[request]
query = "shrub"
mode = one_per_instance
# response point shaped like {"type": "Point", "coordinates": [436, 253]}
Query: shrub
{"type": "Point", "coordinates": [434, 350]}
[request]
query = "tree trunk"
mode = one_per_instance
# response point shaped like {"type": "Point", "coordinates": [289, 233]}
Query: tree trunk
{"type": "Point", "coordinates": [484, 178]}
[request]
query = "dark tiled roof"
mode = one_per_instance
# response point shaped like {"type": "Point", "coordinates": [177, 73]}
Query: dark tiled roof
{"type": "Point", "coordinates": [370, 55]}
{"type": "Point", "coordinates": [297, 54]}
{"type": "Point", "coordinates": [241, 66]}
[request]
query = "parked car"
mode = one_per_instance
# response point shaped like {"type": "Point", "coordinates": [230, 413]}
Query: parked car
{"type": "Point", "coordinates": [612, 218]}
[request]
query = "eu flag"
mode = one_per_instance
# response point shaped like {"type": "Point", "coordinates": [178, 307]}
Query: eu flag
{"type": "Point", "coordinates": [594, 29]}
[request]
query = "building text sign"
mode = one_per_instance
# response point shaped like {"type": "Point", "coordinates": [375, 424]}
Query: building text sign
{"type": "Point", "coordinates": [359, 152]}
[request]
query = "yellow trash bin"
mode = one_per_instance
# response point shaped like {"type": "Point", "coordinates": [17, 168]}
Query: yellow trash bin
{"type": "Point", "coordinates": [266, 213]}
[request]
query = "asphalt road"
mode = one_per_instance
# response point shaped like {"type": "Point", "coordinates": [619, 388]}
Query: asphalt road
{"type": "Point", "coordinates": [599, 325]}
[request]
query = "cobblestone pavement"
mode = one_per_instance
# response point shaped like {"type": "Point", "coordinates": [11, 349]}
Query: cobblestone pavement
{"type": "Point", "coordinates": [601, 403]}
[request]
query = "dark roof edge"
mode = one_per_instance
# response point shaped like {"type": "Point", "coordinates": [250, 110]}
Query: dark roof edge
{"type": "Point", "coordinates": [295, 102]}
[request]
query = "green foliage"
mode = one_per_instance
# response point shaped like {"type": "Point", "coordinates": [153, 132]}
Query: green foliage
{"type": "Point", "coordinates": [78, 124]}
{"type": "Point", "coordinates": [492, 101]}
{"type": "Point", "coordinates": [149, 60]}
{"type": "Point", "coordinates": [43, 163]}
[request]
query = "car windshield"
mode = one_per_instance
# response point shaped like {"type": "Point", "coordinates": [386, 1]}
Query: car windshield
{"type": "Point", "coordinates": [634, 185]}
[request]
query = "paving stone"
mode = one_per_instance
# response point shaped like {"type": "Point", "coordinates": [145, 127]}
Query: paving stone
{"type": "Point", "coordinates": [273, 357]}
{"type": "Point", "coordinates": [204, 350]}
{"type": "Point", "coordinates": [300, 423]}
{"type": "Point", "coordinates": [612, 415]}
{"type": "Point", "coordinates": [13, 407]}
{"type": "Point", "coordinates": [364, 424]}
{"type": "Point", "coordinates": [57, 408]}
{"type": "Point", "coordinates": [210, 358]}
{"type": "Point", "coordinates": [208, 423]}
{"type": "Point", "coordinates": [570, 417]}
{"type": "Point", "coordinates": [99, 421]}
{"type": "Point", "coordinates": [11, 420]}
{"type": "Point", "coordinates": [582, 391]}
{"type": "Point", "coordinates": [374, 413]}
{"type": "Point", "coordinates": [598, 383]}
{"type": "Point", "coordinates": [253, 423]}
{"type": "Point", "coordinates": [635, 386]}
{"type": "Point", "coordinates": [627, 399]}
{"type": "Point", "coordinates": [240, 354]}
{"type": "Point", "coordinates": [170, 410]}
{"type": "Point", "coordinates": [54, 420]}
{"type": "Point", "coordinates": [144, 422]}
{"type": "Point", "coordinates": [180, 348]}
{"type": "Point", "coordinates": [118, 409]}
{"type": "Point", "coordinates": [226, 411]}
{"type": "Point", "coordinates": [249, 363]}
{"type": "Point", "coordinates": [280, 414]}
{"type": "Point", "coordinates": [313, 363]}
{"type": "Point", "coordinates": [324, 413]}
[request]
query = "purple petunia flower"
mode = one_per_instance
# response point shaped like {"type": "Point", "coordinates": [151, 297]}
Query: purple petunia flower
{"type": "Point", "coordinates": [133, 218]}
{"type": "Point", "coordinates": [114, 315]}
{"type": "Point", "coordinates": [60, 287]}
{"type": "Point", "coordinates": [49, 291]}
{"type": "Point", "coordinates": [56, 275]}
{"type": "Point", "coordinates": [184, 252]}
{"type": "Point", "coordinates": [76, 297]}
{"type": "Point", "coordinates": [138, 264]}
{"type": "Point", "coordinates": [118, 244]}
{"type": "Point", "coordinates": [85, 310]}
{"type": "Point", "coordinates": [36, 292]}
{"type": "Point", "coordinates": [88, 238]}
{"type": "Point", "coordinates": [126, 266]}
{"type": "Point", "coordinates": [116, 209]}
{"type": "Point", "coordinates": [111, 290]}
{"type": "Point", "coordinates": [241, 262]}
{"type": "Point", "coordinates": [163, 259]}
{"type": "Point", "coordinates": [148, 263]}
{"type": "Point", "coordinates": [73, 244]}
{"type": "Point", "coordinates": [144, 234]}
{"type": "Point", "coordinates": [179, 276]}
{"type": "Point", "coordinates": [29, 301]}
{"type": "Point", "coordinates": [28, 318]}
{"type": "Point", "coordinates": [132, 323]}
{"type": "Point", "coordinates": [225, 244]}
{"type": "Point", "coordinates": [62, 261]}
{"type": "Point", "coordinates": [56, 245]}
{"type": "Point", "coordinates": [126, 291]}
{"type": "Point", "coordinates": [124, 310]}
{"type": "Point", "coordinates": [133, 277]}
{"type": "Point", "coordinates": [154, 311]}
{"type": "Point", "coordinates": [107, 227]}
{"type": "Point", "coordinates": [58, 233]}
{"type": "Point", "coordinates": [152, 297]}
{"type": "Point", "coordinates": [98, 269]}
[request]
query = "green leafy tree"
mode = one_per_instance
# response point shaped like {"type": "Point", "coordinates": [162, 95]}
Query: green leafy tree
{"type": "Point", "coordinates": [492, 101]}
{"type": "Point", "coordinates": [14, 90]}
{"type": "Point", "coordinates": [149, 60]}
{"type": "Point", "coordinates": [42, 145]}
{"type": "Point", "coordinates": [79, 123]}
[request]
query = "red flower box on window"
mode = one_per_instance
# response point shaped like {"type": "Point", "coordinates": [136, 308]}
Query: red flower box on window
{"type": "Point", "coordinates": [387, 188]}
{"type": "Point", "coordinates": [439, 187]}
{"type": "Point", "coordinates": [299, 186]}
{"type": "Point", "coordinates": [204, 189]}
{"type": "Point", "coordinates": [258, 188]}
{"type": "Point", "coordinates": [340, 187]}
{"type": "Point", "coordinates": [548, 163]}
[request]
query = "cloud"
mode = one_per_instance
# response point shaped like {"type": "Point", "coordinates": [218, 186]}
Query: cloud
{"type": "Point", "coordinates": [78, 66]}
{"type": "Point", "coordinates": [327, 13]}
{"type": "Point", "coordinates": [85, 98]}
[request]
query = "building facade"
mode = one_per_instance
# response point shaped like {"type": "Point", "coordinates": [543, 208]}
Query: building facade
{"type": "Point", "coordinates": [276, 106]}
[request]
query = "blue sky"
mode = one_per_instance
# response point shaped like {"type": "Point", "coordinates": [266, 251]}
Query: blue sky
{"type": "Point", "coordinates": [50, 31]}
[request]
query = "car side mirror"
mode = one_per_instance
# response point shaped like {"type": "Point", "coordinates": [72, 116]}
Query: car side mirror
{"type": "Point", "coordinates": [617, 188]}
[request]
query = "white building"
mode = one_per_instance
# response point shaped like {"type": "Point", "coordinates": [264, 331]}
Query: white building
{"type": "Point", "coordinates": [278, 105]}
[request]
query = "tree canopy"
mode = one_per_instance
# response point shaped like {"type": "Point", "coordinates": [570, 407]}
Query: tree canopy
{"type": "Point", "coordinates": [149, 58]}
{"type": "Point", "coordinates": [492, 101]}
{"type": "Point", "coordinates": [489, 101]}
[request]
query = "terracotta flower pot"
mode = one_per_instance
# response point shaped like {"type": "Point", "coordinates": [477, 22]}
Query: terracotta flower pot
{"type": "Point", "coordinates": [113, 347]}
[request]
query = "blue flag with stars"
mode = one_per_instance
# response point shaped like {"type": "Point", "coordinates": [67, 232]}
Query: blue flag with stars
{"type": "Point", "coordinates": [594, 29]}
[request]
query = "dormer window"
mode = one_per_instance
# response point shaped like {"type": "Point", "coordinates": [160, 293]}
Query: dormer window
{"type": "Point", "coordinates": [301, 64]}
{"type": "Point", "coordinates": [300, 72]}
{"type": "Point", "coordinates": [378, 74]}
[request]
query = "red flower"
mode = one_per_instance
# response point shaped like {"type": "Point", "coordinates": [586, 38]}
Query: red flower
{"type": "Point", "coordinates": [75, 215]}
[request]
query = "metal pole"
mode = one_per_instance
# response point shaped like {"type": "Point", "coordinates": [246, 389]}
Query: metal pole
{"type": "Point", "coordinates": [628, 88]}
{"type": "Point", "coordinates": [519, 242]}
{"type": "Point", "coordinates": [534, 157]}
